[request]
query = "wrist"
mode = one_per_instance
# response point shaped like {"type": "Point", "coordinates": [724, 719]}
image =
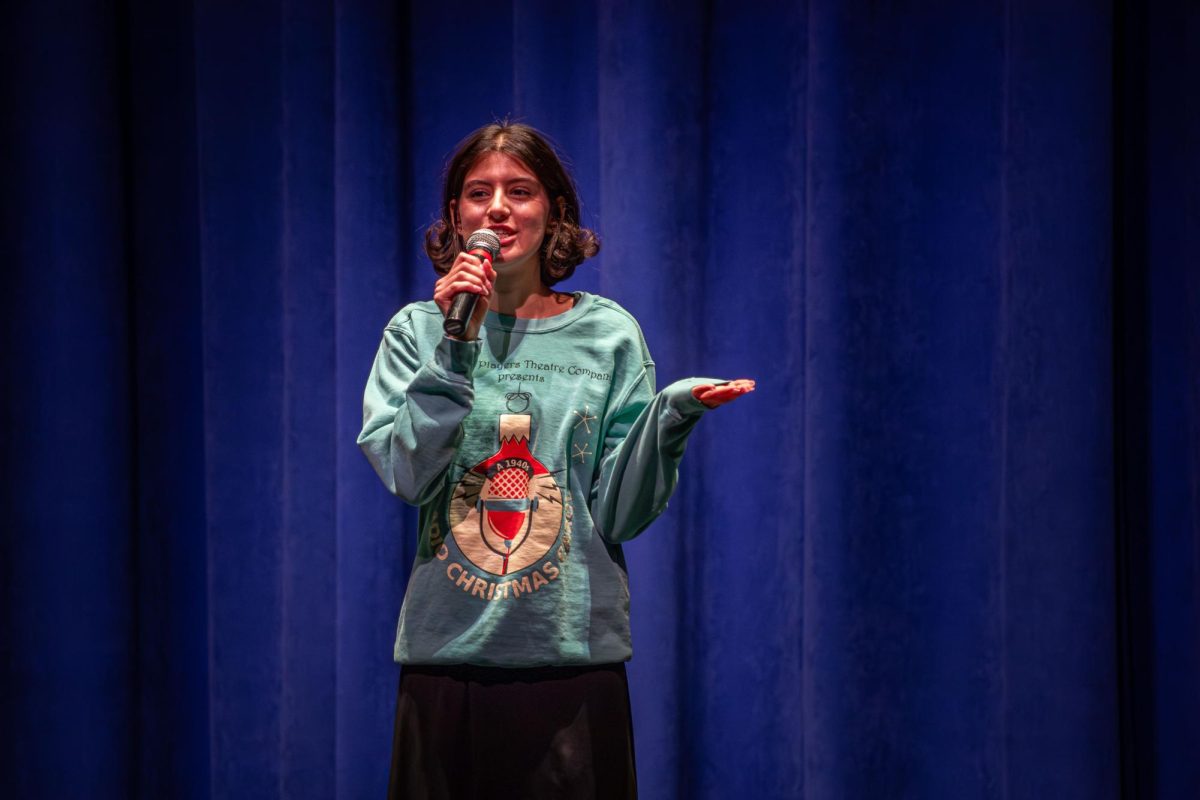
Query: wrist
{"type": "Point", "coordinates": [457, 356]}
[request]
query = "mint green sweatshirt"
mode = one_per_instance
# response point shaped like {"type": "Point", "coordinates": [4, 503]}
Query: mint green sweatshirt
{"type": "Point", "coordinates": [532, 453]}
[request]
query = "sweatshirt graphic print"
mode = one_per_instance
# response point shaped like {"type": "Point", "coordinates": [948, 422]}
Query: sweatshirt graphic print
{"type": "Point", "coordinates": [532, 453]}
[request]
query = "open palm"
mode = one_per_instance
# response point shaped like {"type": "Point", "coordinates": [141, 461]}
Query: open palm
{"type": "Point", "coordinates": [720, 394]}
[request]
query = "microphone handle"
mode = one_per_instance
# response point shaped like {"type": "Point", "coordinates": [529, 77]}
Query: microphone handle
{"type": "Point", "coordinates": [462, 307]}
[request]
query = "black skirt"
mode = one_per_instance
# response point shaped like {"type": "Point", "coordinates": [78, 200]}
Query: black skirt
{"type": "Point", "coordinates": [465, 732]}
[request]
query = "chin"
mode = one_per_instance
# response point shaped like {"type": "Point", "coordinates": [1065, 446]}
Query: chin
{"type": "Point", "coordinates": [514, 264]}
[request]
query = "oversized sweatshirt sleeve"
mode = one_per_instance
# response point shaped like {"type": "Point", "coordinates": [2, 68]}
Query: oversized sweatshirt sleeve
{"type": "Point", "coordinates": [643, 445]}
{"type": "Point", "coordinates": [413, 411]}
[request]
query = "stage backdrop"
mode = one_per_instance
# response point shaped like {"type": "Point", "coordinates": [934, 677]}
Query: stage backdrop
{"type": "Point", "coordinates": [947, 550]}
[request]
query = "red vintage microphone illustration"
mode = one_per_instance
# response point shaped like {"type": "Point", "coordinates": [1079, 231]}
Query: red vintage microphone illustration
{"type": "Point", "coordinates": [485, 244]}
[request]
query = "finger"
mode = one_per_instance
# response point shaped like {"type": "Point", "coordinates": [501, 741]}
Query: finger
{"type": "Point", "coordinates": [721, 395]}
{"type": "Point", "coordinates": [448, 297]}
{"type": "Point", "coordinates": [465, 262]}
{"type": "Point", "coordinates": [735, 391]}
{"type": "Point", "coordinates": [731, 388]}
{"type": "Point", "coordinates": [448, 291]}
{"type": "Point", "coordinates": [467, 270]}
{"type": "Point", "coordinates": [464, 279]}
{"type": "Point", "coordinates": [469, 277]}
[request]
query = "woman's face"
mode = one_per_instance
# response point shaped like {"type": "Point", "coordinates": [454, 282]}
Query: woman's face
{"type": "Point", "coordinates": [503, 194]}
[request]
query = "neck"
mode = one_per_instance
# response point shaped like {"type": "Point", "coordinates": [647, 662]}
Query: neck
{"type": "Point", "coordinates": [524, 295]}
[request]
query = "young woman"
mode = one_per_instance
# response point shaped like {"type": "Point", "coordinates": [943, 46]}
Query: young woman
{"type": "Point", "coordinates": [534, 445]}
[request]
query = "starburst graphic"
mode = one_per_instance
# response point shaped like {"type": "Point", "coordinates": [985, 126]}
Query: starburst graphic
{"type": "Point", "coordinates": [581, 452]}
{"type": "Point", "coordinates": [585, 418]}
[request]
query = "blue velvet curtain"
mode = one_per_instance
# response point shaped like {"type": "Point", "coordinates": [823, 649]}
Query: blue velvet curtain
{"type": "Point", "coordinates": [950, 548]}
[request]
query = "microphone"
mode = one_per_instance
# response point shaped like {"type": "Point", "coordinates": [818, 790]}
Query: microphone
{"type": "Point", "coordinates": [485, 244]}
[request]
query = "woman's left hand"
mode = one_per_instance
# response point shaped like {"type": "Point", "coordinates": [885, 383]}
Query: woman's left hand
{"type": "Point", "coordinates": [713, 396]}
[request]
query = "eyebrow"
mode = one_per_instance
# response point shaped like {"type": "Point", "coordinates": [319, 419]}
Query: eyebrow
{"type": "Point", "coordinates": [511, 181]}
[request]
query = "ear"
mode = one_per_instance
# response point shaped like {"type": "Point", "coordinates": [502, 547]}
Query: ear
{"type": "Point", "coordinates": [561, 203]}
{"type": "Point", "coordinates": [454, 219]}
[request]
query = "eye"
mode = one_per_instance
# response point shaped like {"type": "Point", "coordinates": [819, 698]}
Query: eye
{"type": "Point", "coordinates": [521, 191]}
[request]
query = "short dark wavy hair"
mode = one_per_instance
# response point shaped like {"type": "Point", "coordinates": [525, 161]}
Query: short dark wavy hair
{"type": "Point", "coordinates": [566, 243]}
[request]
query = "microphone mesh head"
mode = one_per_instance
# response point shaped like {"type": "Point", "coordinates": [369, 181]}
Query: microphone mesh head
{"type": "Point", "coordinates": [486, 239]}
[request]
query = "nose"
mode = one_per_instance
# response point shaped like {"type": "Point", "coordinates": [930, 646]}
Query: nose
{"type": "Point", "coordinates": [498, 207]}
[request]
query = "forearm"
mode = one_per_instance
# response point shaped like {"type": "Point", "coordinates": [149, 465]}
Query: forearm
{"type": "Point", "coordinates": [640, 472]}
{"type": "Point", "coordinates": [412, 418]}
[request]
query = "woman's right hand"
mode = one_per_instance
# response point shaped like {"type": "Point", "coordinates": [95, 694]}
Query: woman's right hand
{"type": "Point", "coordinates": [471, 274]}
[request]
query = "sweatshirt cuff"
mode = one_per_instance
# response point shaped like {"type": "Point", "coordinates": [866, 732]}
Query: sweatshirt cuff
{"type": "Point", "coordinates": [680, 399]}
{"type": "Point", "coordinates": [457, 357]}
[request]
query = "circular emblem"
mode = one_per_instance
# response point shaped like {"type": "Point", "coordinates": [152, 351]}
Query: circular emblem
{"type": "Point", "coordinates": [507, 510]}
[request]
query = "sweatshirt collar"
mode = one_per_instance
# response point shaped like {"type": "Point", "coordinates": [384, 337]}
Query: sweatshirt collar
{"type": "Point", "coordinates": [504, 322]}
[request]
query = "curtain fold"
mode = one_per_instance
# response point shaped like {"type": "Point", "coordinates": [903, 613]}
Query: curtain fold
{"type": "Point", "coordinates": [949, 548]}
